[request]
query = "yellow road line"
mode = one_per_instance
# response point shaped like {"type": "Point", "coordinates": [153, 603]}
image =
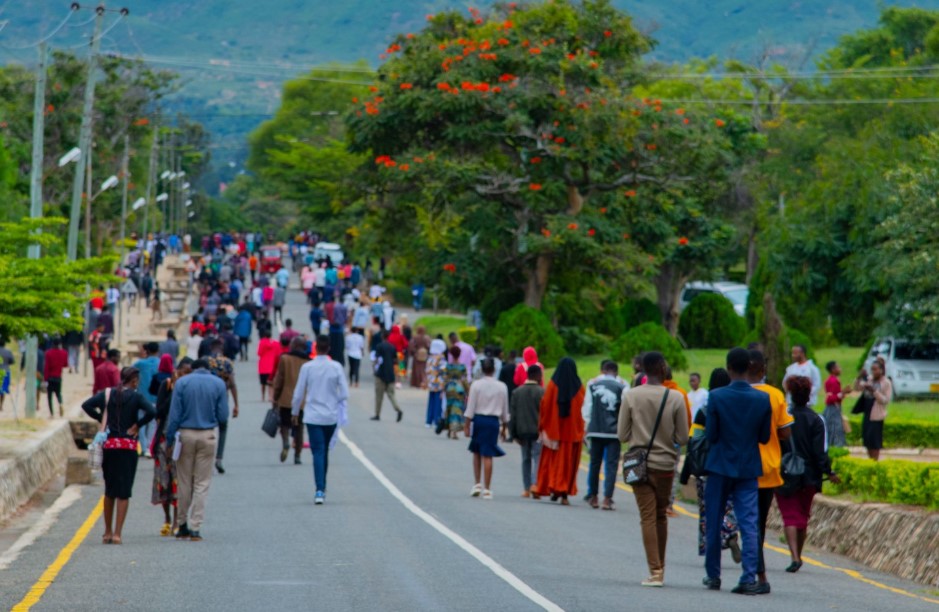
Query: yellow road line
{"type": "Point", "coordinates": [785, 551]}
{"type": "Point", "coordinates": [48, 577]}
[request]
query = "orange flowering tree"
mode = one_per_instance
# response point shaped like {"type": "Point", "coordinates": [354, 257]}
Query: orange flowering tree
{"type": "Point", "coordinates": [512, 142]}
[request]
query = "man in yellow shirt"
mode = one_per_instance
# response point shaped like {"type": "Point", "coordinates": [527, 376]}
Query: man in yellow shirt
{"type": "Point", "coordinates": [770, 453]}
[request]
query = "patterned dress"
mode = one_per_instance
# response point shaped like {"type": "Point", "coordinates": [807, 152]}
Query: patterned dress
{"type": "Point", "coordinates": [456, 389]}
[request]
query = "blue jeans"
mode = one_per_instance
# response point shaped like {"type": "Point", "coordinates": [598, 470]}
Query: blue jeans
{"type": "Point", "coordinates": [434, 407]}
{"type": "Point", "coordinates": [531, 456]}
{"type": "Point", "coordinates": [743, 492]}
{"type": "Point", "coordinates": [605, 451]}
{"type": "Point", "coordinates": [320, 435]}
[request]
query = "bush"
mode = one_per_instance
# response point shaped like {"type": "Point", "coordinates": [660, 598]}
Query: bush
{"type": "Point", "coordinates": [896, 482]}
{"type": "Point", "coordinates": [789, 337]}
{"type": "Point", "coordinates": [636, 312]}
{"type": "Point", "coordinates": [710, 321]}
{"type": "Point", "coordinates": [522, 326]}
{"type": "Point", "coordinates": [583, 341]}
{"type": "Point", "coordinates": [899, 434]}
{"type": "Point", "coordinates": [468, 335]}
{"type": "Point", "coordinates": [649, 337]}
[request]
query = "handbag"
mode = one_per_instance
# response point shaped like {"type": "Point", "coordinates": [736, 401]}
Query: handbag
{"type": "Point", "coordinates": [271, 423]}
{"type": "Point", "coordinates": [863, 404]}
{"type": "Point", "coordinates": [697, 455]}
{"type": "Point", "coordinates": [636, 460]}
{"type": "Point", "coordinates": [793, 471]}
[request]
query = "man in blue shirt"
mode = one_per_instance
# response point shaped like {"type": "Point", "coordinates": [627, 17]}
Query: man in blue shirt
{"type": "Point", "coordinates": [739, 418]}
{"type": "Point", "coordinates": [148, 368]}
{"type": "Point", "coordinates": [198, 407]}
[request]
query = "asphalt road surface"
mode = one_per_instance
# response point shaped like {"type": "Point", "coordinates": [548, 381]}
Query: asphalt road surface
{"type": "Point", "coordinates": [399, 531]}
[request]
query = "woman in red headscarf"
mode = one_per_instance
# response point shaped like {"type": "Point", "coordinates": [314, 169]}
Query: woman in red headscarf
{"type": "Point", "coordinates": [397, 340]}
{"type": "Point", "coordinates": [561, 427]}
{"type": "Point", "coordinates": [529, 358]}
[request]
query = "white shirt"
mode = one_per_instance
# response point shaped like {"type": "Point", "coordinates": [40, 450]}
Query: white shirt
{"type": "Point", "coordinates": [375, 291]}
{"type": "Point", "coordinates": [808, 370]}
{"type": "Point", "coordinates": [192, 346]}
{"type": "Point", "coordinates": [698, 399]}
{"type": "Point", "coordinates": [320, 277]}
{"type": "Point", "coordinates": [355, 345]}
{"type": "Point", "coordinates": [257, 297]}
{"type": "Point", "coordinates": [113, 295]}
{"type": "Point", "coordinates": [488, 397]}
{"type": "Point", "coordinates": [586, 409]}
{"type": "Point", "coordinates": [320, 391]}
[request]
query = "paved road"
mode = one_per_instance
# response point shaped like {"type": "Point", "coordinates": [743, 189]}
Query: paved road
{"type": "Point", "coordinates": [426, 546]}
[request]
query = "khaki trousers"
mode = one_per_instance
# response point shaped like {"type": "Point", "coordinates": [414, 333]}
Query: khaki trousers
{"type": "Point", "coordinates": [652, 500]}
{"type": "Point", "coordinates": [381, 389]}
{"type": "Point", "coordinates": [194, 474]}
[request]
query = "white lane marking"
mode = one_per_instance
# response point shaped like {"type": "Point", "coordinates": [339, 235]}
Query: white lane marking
{"type": "Point", "coordinates": [511, 579]}
{"type": "Point", "coordinates": [69, 496]}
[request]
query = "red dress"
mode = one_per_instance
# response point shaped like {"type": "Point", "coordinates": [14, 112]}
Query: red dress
{"type": "Point", "coordinates": [557, 470]}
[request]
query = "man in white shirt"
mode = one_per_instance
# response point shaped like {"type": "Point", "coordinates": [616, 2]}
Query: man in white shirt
{"type": "Point", "coordinates": [602, 402]}
{"type": "Point", "coordinates": [697, 396]}
{"type": "Point", "coordinates": [113, 296]}
{"type": "Point", "coordinates": [803, 366]}
{"type": "Point", "coordinates": [323, 395]}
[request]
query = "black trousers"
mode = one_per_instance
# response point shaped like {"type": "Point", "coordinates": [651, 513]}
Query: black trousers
{"type": "Point", "coordinates": [765, 502]}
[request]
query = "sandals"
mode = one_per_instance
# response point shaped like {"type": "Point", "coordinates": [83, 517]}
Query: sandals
{"type": "Point", "coordinates": [106, 539]}
{"type": "Point", "coordinates": [166, 530]}
{"type": "Point", "coordinates": [477, 490]}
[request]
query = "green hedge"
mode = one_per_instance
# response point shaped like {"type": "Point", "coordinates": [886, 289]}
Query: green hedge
{"type": "Point", "coordinates": [898, 434]}
{"type": "Point", "coordinates": [649, 337]}
{"type": "Point", "coordinates": [522, 326]}
{"type": "Point", "coordinates": [468, 335]}
{"type": "Point", "coordinates": [892, 481]}
{"type": "Point", "coordinates": [710, 321]}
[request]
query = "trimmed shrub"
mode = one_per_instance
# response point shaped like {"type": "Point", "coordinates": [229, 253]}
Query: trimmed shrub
{"type": "Point", "coordinates": [522, 326]}
{"type": "Point", "coordinates": [468, 335]}
{"type": "Point", "coordinates": [649, 337]}
{"type": "Point", "coordinates": [896, 482]}
{"type": "Point", "coordinates": [634, 313]}
{"type": "Point", "coordinates": [710, 321]}
{"type": "Point", "coordinates": [898, 434]}
{"type": "Point", "coordinates": [583, 341]}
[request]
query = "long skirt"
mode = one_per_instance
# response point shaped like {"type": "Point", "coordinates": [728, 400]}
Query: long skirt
{"type": "Point", "coordinates": [164, 475]}
{"type": "Point", "coordinates": [728, 529]}
{"type": "Point", "coordinates": [557, 469]}
{"type": "Point", "coordinates": [834, 425]}
{"type": "Point", "coordinates": [418, 374]}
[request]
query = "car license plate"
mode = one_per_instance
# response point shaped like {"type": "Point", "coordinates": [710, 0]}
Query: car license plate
{"type": "Point", "coordinates": [934, 388]}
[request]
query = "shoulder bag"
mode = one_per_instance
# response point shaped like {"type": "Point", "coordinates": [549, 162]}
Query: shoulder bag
{"type": "Point", "coordinates": [96, 449]}
{"type": "Point", "coordinates": [271, 422]}
{"type": "Point", "coordinates": [863, 404]}
{"type": "Point", "coordinates": [636, 460]}
{"type": "Point", "coordinates": [697, 456]}
{"type": "Point", "coordinates": [793, 470]}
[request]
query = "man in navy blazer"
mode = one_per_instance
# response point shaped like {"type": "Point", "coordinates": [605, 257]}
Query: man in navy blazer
{"type": "Point", "coordinates": [738, 421]}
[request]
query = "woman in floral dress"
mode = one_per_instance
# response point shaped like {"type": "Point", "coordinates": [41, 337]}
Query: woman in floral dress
{"type": "Point", "coordinates": [456, 388]}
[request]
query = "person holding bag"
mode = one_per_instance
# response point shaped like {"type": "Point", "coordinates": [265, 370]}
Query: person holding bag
{"type": "Point", "coordinates": [653, 422]}
{"type": "Point", "coordinates": [808, 443]}
{"type": "Point", "coordinates": [117, 410]}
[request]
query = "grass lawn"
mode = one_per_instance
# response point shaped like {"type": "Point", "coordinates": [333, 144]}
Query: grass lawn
{"type": "Point", "coordinates": [441, 324]}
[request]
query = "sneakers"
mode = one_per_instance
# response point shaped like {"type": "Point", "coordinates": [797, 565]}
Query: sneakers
{"type": "Point", "coordinates": [375, 418]}
{"type": "Point", "coordinates": [183, 532]}
{"type": "Point", "coordinates": [296, 460]}
{"type": "Point", "coordinates": [283, 453]}
{"type": "Point", "coordinates": [320, 498]}
{"type": "Point", "coordinates": [477, 490]}
{"type": "Point", "coordinates": [712, 584]}
{"type": "Point", "coordinates": [734, 545]}
{"type": "Point", "coordinates": [487, 494]}
{"type": "Point", "coordinates": [653, 581]}
{"type": "Point", "coordinates": [195, 537]}
{"type": "Point", "coordinates": [750, 588]}
{"type": "Point", "coordinates": [400, 416]}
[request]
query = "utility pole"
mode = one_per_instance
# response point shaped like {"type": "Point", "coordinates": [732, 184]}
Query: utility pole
{"type": "Point", "coordinates": [125, 175]}
{"type": "Point", "coordinates": [84, 138]}
{"type": "Point", "coordinates": [89, 191]}
{"type": "Point", "coordinates": [35, 212]}
{"type": "Point", "coordinates": [151, 177]}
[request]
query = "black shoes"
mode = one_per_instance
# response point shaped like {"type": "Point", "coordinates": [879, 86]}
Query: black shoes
{"type": "Point", "coordinates": [283, 453]}
{"type": "Point", "coordinates": [219, 467]}
{"type": "Point", "coordinates": [400, 416]}
{"type": "Point", "coordinates": [713, 584]}
{"type": "Point", "coordinates": [375, 418]}
{"type": "Point", "coordinates": [183, 532]}
{"type": "Point", "coordinates": [794, 567]}
{"type": "Point", "coordinates": [296, 460]}
{"type": "Point", "coordinates": [195, 537]}
{"type": "Point", "coordinates": [751, 588]}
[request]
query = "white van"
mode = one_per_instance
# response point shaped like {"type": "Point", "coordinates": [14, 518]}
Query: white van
{"type": "Point", "coordinates": [328, 249]}
{"type": "Point", "coordinates": [735, 292]}
{"type": "Point", "coordinates": [913, 368]}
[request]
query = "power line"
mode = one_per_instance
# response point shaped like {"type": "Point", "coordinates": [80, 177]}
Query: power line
{"type": "Point", "coordinates": [46, 38]}
{"type": "Point", "coordinates": [102, 35]}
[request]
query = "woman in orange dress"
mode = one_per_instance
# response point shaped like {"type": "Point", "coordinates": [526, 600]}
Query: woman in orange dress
{"type": "Point", "coordinates": [561, 427]}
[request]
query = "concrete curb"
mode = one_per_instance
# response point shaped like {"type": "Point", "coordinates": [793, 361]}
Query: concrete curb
{"type": "Point", "coordinates": [36, 462]}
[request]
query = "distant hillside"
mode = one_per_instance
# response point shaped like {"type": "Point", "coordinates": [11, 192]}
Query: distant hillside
{"type": "Point", "coordinates": [236, 53]}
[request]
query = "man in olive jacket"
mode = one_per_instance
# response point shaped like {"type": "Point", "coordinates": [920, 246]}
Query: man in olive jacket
{"type": "Point", "coordinates": [285, 380]}
{"type": "Point", "coordinates": [524, 412]}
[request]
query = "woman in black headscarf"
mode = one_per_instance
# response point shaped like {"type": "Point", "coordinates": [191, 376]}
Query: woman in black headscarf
{"type": "Point", "coordinates": [561, 427]}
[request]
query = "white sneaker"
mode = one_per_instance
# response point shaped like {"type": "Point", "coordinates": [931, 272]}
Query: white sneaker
{"type": "Point", "coordinates": [487, 494]}
{"type": "Point", "coordinates": [477, 489]}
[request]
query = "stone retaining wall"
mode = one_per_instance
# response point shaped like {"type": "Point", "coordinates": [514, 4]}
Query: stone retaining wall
{"type": "Point", "coordinates": [33, 465]}
{"type": "Point", "coordinates": [898, 540]}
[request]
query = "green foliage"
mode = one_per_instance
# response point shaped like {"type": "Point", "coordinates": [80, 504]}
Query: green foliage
{"type": "Point", "coordinates": [523, 326]}
{"type": "Point", "coordinates": [892, 481]}
{"type": "Point", "coordinates": [789, 338]}
{"type": "Point", "coordinates": [865, 353]}
{"type": "Point", "coordinates": [36, 292]}
{"type": "Point", "coordinates": [638, 311]}
{"type": "Point", "coordinates": [649, 337]}
{"type": "Point", "coordinates": [710, 321]}
{"type": "Point", "coordinates": [583, 341]}
{"type": "Point", "coordinates": [908, 433]}
{"type": "Point", "coordinates": [468, 335]}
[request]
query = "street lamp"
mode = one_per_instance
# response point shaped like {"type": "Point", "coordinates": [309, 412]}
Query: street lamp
{"type": "Point", "coordinates": [139, 203]}
{"type": "Point", "coordinates": [71, 156]}
{"type": "Point", "coordinates": [162, 197]}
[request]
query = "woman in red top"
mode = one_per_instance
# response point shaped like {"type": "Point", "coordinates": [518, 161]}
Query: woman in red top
{"type": "Point", "coordinates": [397, 340]}
{"type": "Point", "coordinates": [268, 352]}
{"type": "Point", "coordinates": [834, 393]}
{"type": "Point", "coordinates": [561, 427]}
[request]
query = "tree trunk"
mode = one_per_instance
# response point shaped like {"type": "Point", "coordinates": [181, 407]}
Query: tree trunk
{"type": "Point", "coordinates": [753, 258]}
{"type": "Point", "coordinates": [575, 200]}
{"type": "Point", "coordinates": [668, 284]}
{"type": "Point", "coordinates": [537, 282]}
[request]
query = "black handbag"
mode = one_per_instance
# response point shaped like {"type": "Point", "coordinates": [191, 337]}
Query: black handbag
{"type": "Point", "coordinates": [793, 471]}
{"type": "Point", "coordinates": [697, 455]}
{"type": "Point", "coordinates": [271, 423]}
{"type": "Point", "coordinates": [863, 404]}
{"type": "Point", "coordinates": [636, 460]}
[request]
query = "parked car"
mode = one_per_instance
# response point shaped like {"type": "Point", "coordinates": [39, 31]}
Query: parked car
{"type": "Point", "coordinates": [912, 367]}
{"type": "Point", "coordinates": [735, 292]}
{"type": "Point", "coordinates": [328, 249]}
{"type": "Point", "coordinates": [271, 259]}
